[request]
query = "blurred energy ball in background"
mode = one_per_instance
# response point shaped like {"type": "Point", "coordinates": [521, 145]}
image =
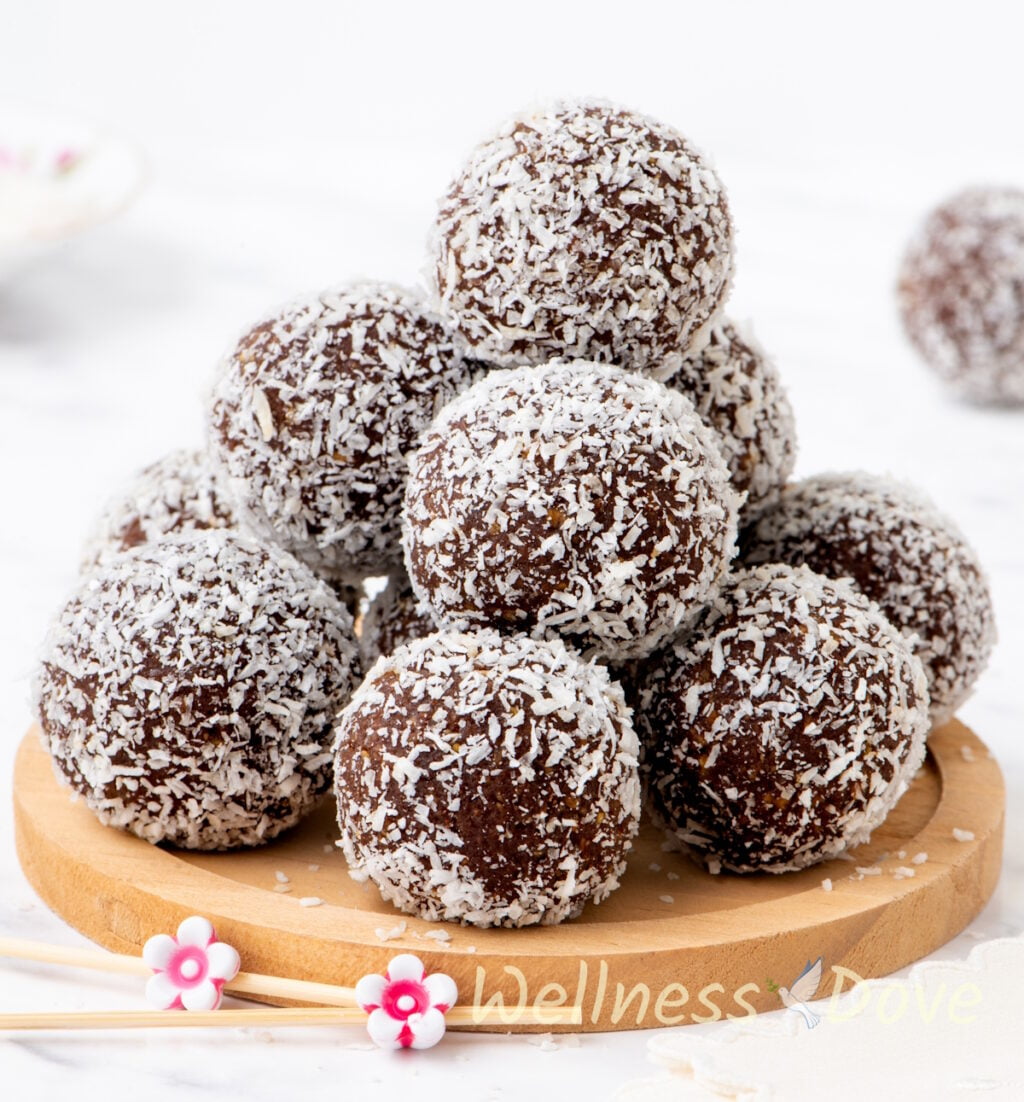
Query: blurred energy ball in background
{"type": "Point", "coordinates": [961, 293]}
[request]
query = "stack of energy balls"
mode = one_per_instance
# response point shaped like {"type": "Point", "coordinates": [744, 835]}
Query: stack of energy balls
{"type": "Point", "coordinates": [602, 590]}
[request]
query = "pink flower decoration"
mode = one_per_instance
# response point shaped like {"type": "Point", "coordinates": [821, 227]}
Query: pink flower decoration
{"type": "Point", "coordinates": [406, 1006]}
{"type": "Point", "coordinates": [190, 969]}
{"type": "Point", "coordinates": [66, 160]}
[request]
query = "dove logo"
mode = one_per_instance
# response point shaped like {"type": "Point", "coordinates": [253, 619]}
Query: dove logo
{"type": "Point", "coordinates": [801, 991]}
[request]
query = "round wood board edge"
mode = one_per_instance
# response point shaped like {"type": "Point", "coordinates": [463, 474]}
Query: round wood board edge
{"type": "Point", "coordinates": [119, 890]}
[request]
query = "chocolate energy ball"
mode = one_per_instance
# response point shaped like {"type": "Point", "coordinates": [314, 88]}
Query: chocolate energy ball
{"type": "Point", "coordinates": [189, 688]}
{"type": "Point", "coordinates": [487, 779]}
{"type": "Point", "coordinates": [785, 726]}
{"type": "Point", "coordinates": [313, 415]}
{"type": "Point", "coordinates": [394, 616]}
{"type": "Point", "coordinates": [586, 231]}
{"type": "Point", "coordinates": [736, 389]}
{"type": "Point", "coordinates": [177, 494]}
{"type": "Point", "coordinates": [350, 593]}
{"type": "Point", "coordinates": [961, 293]}
{"type": "Point", "coordinates": [576, 499]}
{"type": "Point", "coordinates": [900, 551]}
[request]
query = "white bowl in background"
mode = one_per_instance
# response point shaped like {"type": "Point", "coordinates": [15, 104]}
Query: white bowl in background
{"type": "Point", "coordinates": [58, 177]}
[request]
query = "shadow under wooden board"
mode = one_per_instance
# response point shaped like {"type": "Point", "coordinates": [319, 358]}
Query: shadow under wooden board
{"type": "Point", "coordinates": [674, 945]}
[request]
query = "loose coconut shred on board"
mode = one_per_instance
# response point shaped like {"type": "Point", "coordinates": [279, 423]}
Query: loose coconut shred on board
{"type": "Point", "coordinates": [586, 231]}
{"type": "Point", "coordinates": [487, 779]}
{"type": "Point", "coordinates": [189, 688]}
{"type": "Point", "coordinates": [785, 727]}
{"type": "Point", "coordinates": [576, 499]}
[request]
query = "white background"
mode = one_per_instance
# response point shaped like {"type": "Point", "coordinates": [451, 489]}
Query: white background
{"type": "Point", "coordinates": [294, 146]}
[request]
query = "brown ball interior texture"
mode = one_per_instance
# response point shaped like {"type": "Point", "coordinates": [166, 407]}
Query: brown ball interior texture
{"type": "Point", "coordinates": [784, 727]}
{"type": "Point", "coordinates": [902, 553]}
{"type": "Point", "coordinates": [487, 779]}
{"type": "Point", "coordinates": [188, 690]}
{"type": "Point", "coordinates": [961, 293]}
{"type": "Point", "coordinates": [587, 231]}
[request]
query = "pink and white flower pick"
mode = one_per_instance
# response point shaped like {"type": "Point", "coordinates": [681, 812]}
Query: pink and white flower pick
{"type": "Point", "coordinates": [406, 1006]}
{"type": "Point", "coordinates": [190, 969]}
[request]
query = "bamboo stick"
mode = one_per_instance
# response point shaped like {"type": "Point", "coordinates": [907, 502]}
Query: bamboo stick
{"type": "Point", "coordinates": [276, 1016]}
{"type": "Point", "coordinates": [245, 983]}
{"type": "Point", "coordinates": [338, 999]}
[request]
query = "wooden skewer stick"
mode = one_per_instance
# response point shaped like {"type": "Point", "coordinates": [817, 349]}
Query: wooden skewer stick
{"type": "Point", "coordinates": [245, 983]}
{"type": "Point", "coordinates": [279, 1016]}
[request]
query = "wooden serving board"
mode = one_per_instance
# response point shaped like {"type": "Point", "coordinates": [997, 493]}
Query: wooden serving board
{"type": "Point", "coordinates": [674, 945]}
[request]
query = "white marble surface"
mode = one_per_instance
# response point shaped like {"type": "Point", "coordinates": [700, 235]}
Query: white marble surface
{"type": "Point", "coordinates": [290, 150]}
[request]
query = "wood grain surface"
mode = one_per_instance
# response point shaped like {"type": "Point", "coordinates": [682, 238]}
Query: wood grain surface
{"type": "Point", "coordinates": [674, 945]}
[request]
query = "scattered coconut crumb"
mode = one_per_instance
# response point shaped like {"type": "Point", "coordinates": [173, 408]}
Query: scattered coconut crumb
{"type": "Point", "coordinates": [654, 867]}
{"type": "Point", "coordinates": [310, 901]}
{"type": "Point", "coordinates": [667, 898]}
{"type": "Point", "coordinates": [901, 854]}
{"type": "Point", "coordinates": [385, 934]}
{"type": "Point", "coordinates": [919, 858]}
{"type": "Point", "coordinates": [470, 948]}
{"type": "Point", "coordinates": [904, 873]}
{"type": "Point", "coordinates": [967, 753]}
{"type": "Point", "coordinates": [282, 887]}
{"type": "Point", "coordinates": [281, 878]}
{"type": "Point", "coordinates": [844, 857]}
{"type": "Point", "coordinates": [548, 1042]}
{"type": "Point", "coordinates": [544, 1041]}
{"type": "Point", "coordinates": [714, 866]}
{"type": "Point", "coordinates": [827, 884]}
{"type": "Point", "coordinates": [438, 935]}
{"type": "Point", "coordinates": [672, 875]}
{"type": "Point", "coordinates": [869, 870]}
{"type": "Point", "coordinates": [329, 848]}
{"type": "Point", "coordinates": [963, 835]}
{"type": "Point", "coordinates": [314, 868]}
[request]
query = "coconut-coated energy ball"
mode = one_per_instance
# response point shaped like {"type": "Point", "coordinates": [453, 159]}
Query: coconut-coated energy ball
{"type": "Point", "coordinates": [188, 690]}
{"type": "Point", "coordinates": [175, 495]}
{"type": "Point", "coordinates": [487, 779]}
{"type": "Point", "coordinates": [313, 416]}
{"type": "Point", "coordinates": [904, 554]}
{"type": "Point", "coordinates": [586, 231]}
{"type": "Point", "coordinates": [736, 389]}
{"type": "Point", "coordinates": [576, 499]}
{"type": "Point", "coordinates": [784, 727]}
{"type": "Point", "coordinates": [961, 293]}
{"type": "Point", "coordinates": [394, 616]}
